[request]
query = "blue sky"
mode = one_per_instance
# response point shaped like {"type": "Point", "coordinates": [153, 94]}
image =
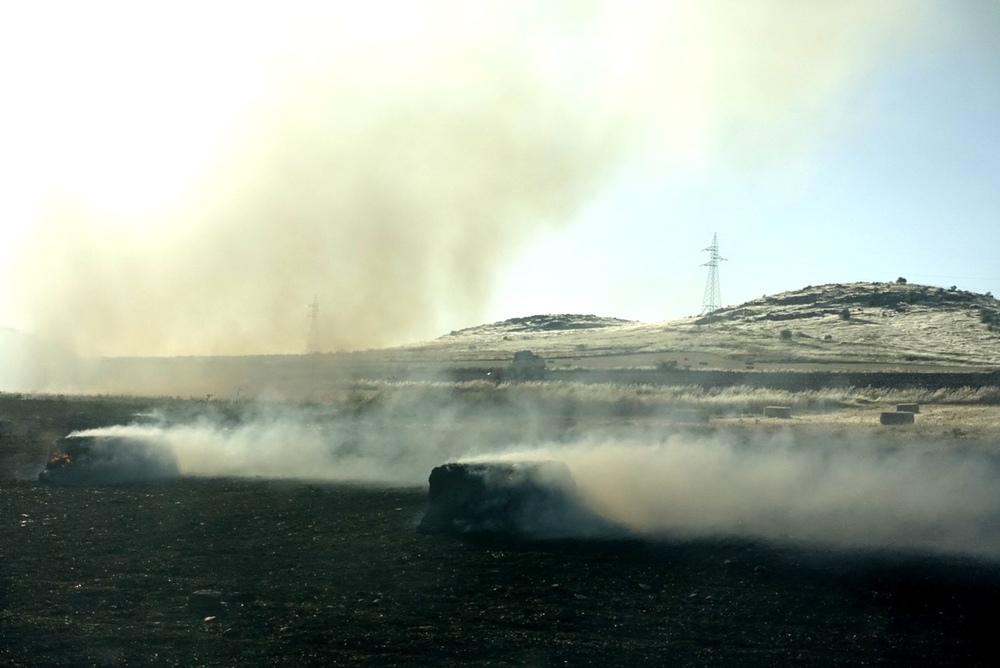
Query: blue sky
{"type": "Point", "coordinates": [902, 179]}
{"type": "Point", "coordinates": [184, 178]}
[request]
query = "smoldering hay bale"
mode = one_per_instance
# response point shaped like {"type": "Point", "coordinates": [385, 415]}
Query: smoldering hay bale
{"type": "Point", "coordinates": [108, 460]}
{"type": "Point", "coordinates": [530, 500]}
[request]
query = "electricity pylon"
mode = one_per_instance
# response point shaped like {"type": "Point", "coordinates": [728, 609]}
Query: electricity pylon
{"type": "Point", "coordinates": [713, 295]}
{"type": "Point", "coordinates": [312, 343]}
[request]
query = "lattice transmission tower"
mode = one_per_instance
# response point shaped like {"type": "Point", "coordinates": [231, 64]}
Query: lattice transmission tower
{"type": "Point", "coordinates": [713, 295]}
{"type": "Point", "coordinates": [312, 343]}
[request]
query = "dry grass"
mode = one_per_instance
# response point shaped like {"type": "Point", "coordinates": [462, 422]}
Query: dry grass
{"type": "Point", "coordinates": [650, 398]}
{"type": "Point", "coordinates": [968, 416]}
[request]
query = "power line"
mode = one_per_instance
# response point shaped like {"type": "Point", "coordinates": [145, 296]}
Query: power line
{"type": "Point", "coordinates": [312, 343]}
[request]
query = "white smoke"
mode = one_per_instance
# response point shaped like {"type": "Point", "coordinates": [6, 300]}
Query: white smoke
{"type": "Point", "coordinates": [833, 494]}
{"type": "Point", "coordinates": [284, 446]}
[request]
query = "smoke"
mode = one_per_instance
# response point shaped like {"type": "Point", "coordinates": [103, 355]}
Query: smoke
{"type": "Point", "coordinates": [285, 443]}
{"type": "Point", "coordinates": [393, 216]}
{"type": "Point", "coordinates": [836, 495]}
{"type": "Point", "coordinates": [217, 169]}
{"type": "Point", "coordinates": [653, 484]}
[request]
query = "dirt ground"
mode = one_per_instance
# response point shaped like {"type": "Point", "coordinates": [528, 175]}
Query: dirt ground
{"type": "Point", "coordinates": [220, 572]}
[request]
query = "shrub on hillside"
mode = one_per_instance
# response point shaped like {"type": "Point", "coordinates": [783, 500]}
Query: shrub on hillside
{"type": "Point", "coordinates": [990, 318]}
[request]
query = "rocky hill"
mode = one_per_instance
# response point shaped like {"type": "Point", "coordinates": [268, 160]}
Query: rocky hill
{"type": "Point", "coordinates": [544, 323]}
{"type": "Point", "coordinates": [842, 299]}
{"type": "Point", "coordinates": [878, 325]}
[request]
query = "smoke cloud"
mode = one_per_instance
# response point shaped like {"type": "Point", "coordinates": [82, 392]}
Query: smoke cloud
{"type": "Point", "coordinates": [299, 444]}
{"type": "Point", "coordinates": [392, 214]}
{"type": "Point", "coordinates": [835, 495]}
{"type": "Point", "coordinates": [219, 168]}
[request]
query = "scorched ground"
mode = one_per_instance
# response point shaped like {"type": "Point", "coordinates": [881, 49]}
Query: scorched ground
{"type": "Point", "coordinates": [225, 572]}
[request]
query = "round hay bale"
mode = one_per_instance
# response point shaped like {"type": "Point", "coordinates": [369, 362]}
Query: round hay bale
{"type": "Point", "coordinates": [896, 417]}
{"type": "Point", "coordinates": [526, 500]}
{"type": "Point", "coordinates": [908, 408]}
{"type": "Point", "coordinates": [778, 411]}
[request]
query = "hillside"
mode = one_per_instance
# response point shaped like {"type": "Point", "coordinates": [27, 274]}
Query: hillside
{"type": "Point", "coordinates": [857, 327]}
{"type": "Point", "coordinates": [885, 325]}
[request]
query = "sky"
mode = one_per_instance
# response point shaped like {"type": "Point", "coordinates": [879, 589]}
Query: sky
{"type": "Point", "coordinates": [185, 178]}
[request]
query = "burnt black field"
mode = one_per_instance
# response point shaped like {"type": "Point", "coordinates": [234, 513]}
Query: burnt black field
{"type": "Point", "coordinates": [222, 572]}
{"type": "Point", "coordinates": [237, 572]}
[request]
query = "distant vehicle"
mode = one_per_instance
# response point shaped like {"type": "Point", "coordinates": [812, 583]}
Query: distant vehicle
{"type": "Point", "coordinates": [526, 365]}
{"type": "Point", "coordinates": [108, 460]}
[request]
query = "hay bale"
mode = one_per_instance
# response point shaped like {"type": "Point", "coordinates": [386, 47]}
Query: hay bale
{"type": "Point", "coordinates": [778, 411]}
{"type": "Point", "coordinates": [108, 460]}
{"type": "Point", "coordinates": [896, 417]}
{"type": "Point", "coordinates": [691, 416]}
{"type": "Point", "coordinates": [513, 499]}
{"type": "Point", "coordinates": [908, 408]}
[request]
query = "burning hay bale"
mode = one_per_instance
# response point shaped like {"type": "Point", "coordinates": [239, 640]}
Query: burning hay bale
{"type": "Point", "coordinates": [520, 500]}
{"type": "Point", "coordinates": [783, 412]}
{"type": "Point", "coordinates": [107, 460]}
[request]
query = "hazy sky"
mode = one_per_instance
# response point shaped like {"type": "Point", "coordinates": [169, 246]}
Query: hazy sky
{"type": "Point", "coordinates": [183, 178]}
